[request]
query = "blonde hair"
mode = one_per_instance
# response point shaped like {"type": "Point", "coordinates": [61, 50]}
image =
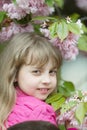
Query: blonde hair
{"type": "Point", "coordinates": [23, 48]}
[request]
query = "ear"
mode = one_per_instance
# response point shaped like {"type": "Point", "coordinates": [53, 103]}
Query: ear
{"type": "Point", "coordinates": [15, 82]}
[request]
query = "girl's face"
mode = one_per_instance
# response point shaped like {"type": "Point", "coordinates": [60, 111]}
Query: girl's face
{"type": "Point", "coordinates": [37, 82]}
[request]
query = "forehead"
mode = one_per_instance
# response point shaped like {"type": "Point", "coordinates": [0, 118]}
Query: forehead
{"type": "Point", "coordinates": [41, 59]}
{"type": "Point", "coordinates": [47, 66]}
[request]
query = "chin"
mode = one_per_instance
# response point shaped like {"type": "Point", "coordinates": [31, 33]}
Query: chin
{"type": "Point", "coordinates": [43, 98]}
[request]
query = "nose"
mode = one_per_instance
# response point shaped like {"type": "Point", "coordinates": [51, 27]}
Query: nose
{"type": "Point", "coordinates": [46, 79]}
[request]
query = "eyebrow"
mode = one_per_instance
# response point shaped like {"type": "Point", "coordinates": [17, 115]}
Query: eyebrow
{"type": "Point", "coordinates": [52, 67]}
{"type": "Point", "coordinates": [42, 67]}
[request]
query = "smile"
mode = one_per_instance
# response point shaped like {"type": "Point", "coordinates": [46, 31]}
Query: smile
{"type": "Point", "coordinates": [43, 90]}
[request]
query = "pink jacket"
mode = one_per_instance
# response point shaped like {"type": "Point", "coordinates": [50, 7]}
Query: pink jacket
{"type": "Point", "coordinates": [72, 129]}
{"type": "Point", "coordinates": [30, 108]}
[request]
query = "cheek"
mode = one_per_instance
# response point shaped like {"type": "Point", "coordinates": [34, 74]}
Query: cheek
{"type": "Point", "coordinates": [55, 80]}
{"type": "Point", "coordinates": [22, 80]}
{"type": "Point", "coordinates": [55, 85]}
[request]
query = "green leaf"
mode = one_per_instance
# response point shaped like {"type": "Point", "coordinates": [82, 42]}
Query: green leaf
{"type": "Point", "coordinates": [74, 16]}
{"type": "Point", "coordinates": [14, 1]}
{"type": "Point", "coordinates": [74, 28]}
{"type": "Point", "coordinates": [80, 94]}
{"type": "Point", "coordinates": [54, 98]}
{"type": "Point", "coordinates": [62, 30]}
{"type": "Point", "coordinates": [52, 29]}
{"type": "Point", "coordinates": [49, 2]}
{"type": "Point", "coordinates": [43, 18]}
{"type": "Point", "coordinates": [81, 111]}
{"type": "Point", "coordinates": [84, 28]}
{"type": "Point", "coordinates": [67, 106]}
{"type": "Point", "coordinates": [56, 105]}
{"type": "Point", "coordinates": [59, 3]}
{"type": "Point", "coordinates": [37, 28]}
{"type": "Point", "coordinates": [2, 16]}
{"type": "Point", "coordinates": [82, 43]}
{"type": "Point", "coordinates": [61, 127]}
{"type": "Point", "coordinates": [67, 88]}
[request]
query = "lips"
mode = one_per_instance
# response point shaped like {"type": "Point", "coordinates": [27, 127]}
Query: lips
{"type": "Point", "coordinates": [43, 90]}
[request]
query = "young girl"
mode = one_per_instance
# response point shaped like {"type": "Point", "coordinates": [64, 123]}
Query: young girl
{"type": "Point", "coordinates": [28, 75]}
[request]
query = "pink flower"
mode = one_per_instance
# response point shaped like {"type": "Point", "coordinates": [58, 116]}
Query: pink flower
{"type": "Point", "coordinates": [2, 3]}
{"type": "Point", "coordinates": [36, 7]}
{"type": "Point", "coordinates": [45, 32]}
{"type": "Point", "coordinates": [13, 11]}
{"type": "Point", "coordinates": [68, 47]}
{"type": "Point", "coordinates": [9, 31]}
